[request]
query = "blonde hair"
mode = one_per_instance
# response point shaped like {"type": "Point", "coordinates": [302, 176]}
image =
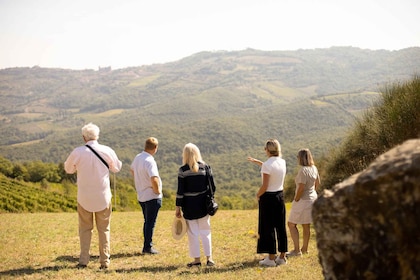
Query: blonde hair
{"type": "Point", "coordinates": [90, 132]}
{"type": "Point", "coordinates": [305, 157]}
{"type": "Point", "coordinates": [273, 147]}
{"type": "Point", "coordinates": [151, 143]}
{"type": "Point", "coordinates": [191, 155]}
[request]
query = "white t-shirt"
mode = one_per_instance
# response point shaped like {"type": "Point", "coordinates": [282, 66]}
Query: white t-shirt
{"type": "Point", "coordinates": [144, 167]}
{"type": "Point", "coordinates": [276, 168]}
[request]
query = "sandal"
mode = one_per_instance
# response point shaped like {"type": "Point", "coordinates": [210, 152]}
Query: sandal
{"type": "Point", "coordinates": [191, 264]}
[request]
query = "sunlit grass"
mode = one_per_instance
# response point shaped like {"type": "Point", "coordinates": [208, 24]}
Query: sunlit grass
{"type": "Point", "coordinates": [98, 116]}
{"type": "Point", "coordinates": [143, 81]}
{"type": "Point", "coordinates": [26, 143]}
{"type": "Point", "coordinates": [39, 246]}
{"type": "Point", "coordinates": [111, 113]}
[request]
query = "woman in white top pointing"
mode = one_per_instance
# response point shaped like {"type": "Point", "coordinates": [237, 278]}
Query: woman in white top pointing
{"type": "Point", "coordinates": [271, 208]}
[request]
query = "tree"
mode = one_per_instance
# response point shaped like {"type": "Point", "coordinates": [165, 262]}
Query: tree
{"type": "Point", "coordinates": [20, 172]}
{"type": "Point", "coordinates": [6, 167]}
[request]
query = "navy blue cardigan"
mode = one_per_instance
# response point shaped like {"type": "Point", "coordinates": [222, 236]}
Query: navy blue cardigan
{"type": "Point", "coordinates": [192, 191]}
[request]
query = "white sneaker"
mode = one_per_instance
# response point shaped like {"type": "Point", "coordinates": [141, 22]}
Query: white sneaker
{"type": "Point", "coordinates": [268, 262]}
{"type": "Point", "coordinates": [280, 261]}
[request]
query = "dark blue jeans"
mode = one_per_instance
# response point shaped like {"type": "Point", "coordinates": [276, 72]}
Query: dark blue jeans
{"type": "Point", "coordinates": [150, 211]}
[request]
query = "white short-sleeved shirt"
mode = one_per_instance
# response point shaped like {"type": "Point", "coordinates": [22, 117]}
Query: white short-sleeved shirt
{"type": "Point", "coordinates": [276, 168]}
{"type": "Point", "coordinates": [144, 168]}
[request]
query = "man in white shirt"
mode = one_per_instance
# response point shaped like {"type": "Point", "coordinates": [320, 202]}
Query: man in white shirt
{"type": "Point", "coordinates": [149, 190]}
{"type": "Point", "coordinates": [93, 192]}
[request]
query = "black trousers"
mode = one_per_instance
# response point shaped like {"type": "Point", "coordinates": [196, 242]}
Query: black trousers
{"type": "Point", "coordinates": [272, 223]}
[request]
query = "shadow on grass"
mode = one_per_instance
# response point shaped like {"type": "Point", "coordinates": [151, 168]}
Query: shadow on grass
{"type": "Point", "coordinates": [154, 269]}
{"type": "Point", "coordinates": [73, 260]}
{"type": "Point", "coordinates": [191, 271]}
{"type": "Point", "coordinates": [96, 257]}
{"type": "Point", "coordinates": [30, 270]}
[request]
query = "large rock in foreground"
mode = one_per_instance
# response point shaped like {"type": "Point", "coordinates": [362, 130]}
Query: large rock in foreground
{"type": "Point", "coordinates": [368, 227]}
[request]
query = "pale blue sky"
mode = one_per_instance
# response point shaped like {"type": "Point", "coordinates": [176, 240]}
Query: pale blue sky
{"type": "Point", "coordinates": [86, 34]}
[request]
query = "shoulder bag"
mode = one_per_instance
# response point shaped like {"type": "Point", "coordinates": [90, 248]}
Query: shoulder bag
{"type": "Point", "coordinates": [211, 204]}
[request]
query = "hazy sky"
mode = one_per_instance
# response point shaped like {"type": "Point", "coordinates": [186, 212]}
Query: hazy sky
{"type": "Point", "coordinates": [86, 34]}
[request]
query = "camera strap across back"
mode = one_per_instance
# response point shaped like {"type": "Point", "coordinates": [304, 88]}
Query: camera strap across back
{"type": "Point", "coordinates": [104, 162]}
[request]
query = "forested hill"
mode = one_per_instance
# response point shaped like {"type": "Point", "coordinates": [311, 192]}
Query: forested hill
{"type": "Point", "coordinates": [228, 103]}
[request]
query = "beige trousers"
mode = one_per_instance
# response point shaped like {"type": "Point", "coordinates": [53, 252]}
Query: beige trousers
{"type": "Point", "coordinates": [103, 225]}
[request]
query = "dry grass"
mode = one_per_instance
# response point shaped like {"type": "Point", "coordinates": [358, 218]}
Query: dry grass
{"type": "Point", "coordinates": [46, 246]}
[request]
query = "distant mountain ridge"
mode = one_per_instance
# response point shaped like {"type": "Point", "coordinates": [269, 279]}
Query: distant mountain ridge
{"type": "Point", "coordinates": [331, 71]}
{"type": "Point", "coordinates": [228, 103]}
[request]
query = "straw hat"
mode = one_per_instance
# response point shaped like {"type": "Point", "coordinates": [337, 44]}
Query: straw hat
{"type": "Point", "coordinates": [179, 228]}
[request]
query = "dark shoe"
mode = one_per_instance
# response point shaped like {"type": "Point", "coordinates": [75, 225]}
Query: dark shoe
{"type": "Point", "coordinates": [81, 266]}
{"type": "Point", "coordinates": [151, 251]}
{"type": "Point", "coordinates": [191, 264]}
{"type": "Point", "coordinates": [210, 263]}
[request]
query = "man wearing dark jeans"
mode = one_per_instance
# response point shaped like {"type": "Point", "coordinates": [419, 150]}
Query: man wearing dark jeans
{"type": "Point", "coordinates": [150, 211]}
{"type": "Point", "coordinates": [149, 190]}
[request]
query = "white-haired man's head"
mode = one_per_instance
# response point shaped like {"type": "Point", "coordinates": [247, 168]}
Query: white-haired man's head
{"type": "Point", "coordinates": [90, 132]}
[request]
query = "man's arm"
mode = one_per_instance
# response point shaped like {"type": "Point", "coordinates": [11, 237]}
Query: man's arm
{"type": "Point", "coordinates": [157, 189]}
{"type": "Point", "coordinates": [69, 165]}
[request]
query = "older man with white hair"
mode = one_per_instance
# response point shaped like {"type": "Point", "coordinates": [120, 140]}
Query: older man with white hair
{"type": "Point", "coordinates": [92, 162]}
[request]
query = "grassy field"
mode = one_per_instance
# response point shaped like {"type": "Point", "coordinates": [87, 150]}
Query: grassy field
{"type": "Point", "coordinates": [46, 246]}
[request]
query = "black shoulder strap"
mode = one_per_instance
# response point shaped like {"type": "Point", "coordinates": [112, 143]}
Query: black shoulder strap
{"type": "Point", "coordinates": [106, 164]}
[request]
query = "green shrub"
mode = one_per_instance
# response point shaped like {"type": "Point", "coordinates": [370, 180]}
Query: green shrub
{"type": "Point", "coordinates": [392, 120]}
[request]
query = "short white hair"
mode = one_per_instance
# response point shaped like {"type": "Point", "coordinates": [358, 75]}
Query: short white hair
{"type": "Point", "coordinates": [90, 132]}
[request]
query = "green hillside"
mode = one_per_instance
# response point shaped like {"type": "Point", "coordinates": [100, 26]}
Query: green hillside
{"type": "Point", "coordinates": [228, 103]}
{"type": "Point", "coordinates": [18, 196]}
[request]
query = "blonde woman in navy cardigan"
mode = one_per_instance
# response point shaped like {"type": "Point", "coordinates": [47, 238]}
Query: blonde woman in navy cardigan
{"type": "Point", "coordinates": [191, 203]}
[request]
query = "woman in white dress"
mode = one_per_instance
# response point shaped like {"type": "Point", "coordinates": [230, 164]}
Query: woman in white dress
{"type": "Point", "coordinates": [307, 182]}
